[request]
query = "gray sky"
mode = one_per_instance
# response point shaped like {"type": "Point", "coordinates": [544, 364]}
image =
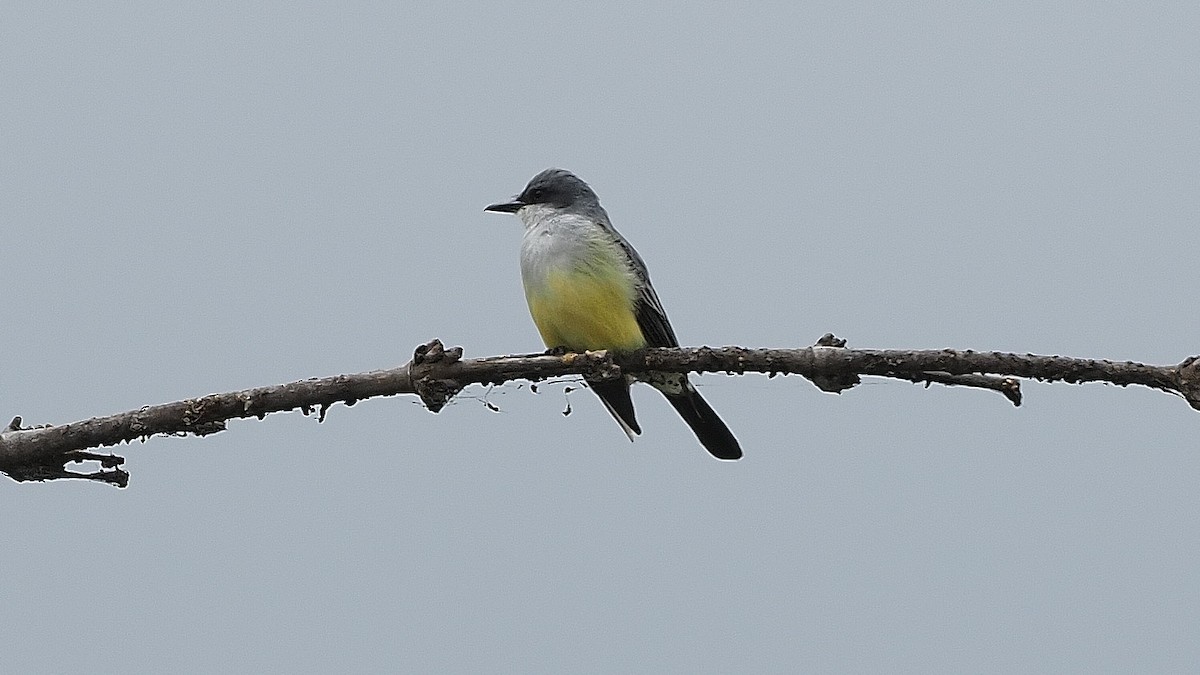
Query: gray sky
{"type": "Point", "coordinates": [203, 198]}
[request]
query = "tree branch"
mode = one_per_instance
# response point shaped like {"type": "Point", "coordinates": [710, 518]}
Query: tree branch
{"type": "Point", "coordinates": [436, 375]}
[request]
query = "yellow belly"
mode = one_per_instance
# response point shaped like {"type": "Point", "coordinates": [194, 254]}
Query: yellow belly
{"type": "Point", "coordinates": [585, 311]}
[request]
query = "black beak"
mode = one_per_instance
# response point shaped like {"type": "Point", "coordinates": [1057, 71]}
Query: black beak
{"type": "Point", "coordinates": [506, 207]}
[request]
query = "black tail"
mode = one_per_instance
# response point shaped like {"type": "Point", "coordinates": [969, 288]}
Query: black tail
{"type": "Point", "coordinates": [712, 432]}
{"type": "Point", "coordinates": [614, 394]}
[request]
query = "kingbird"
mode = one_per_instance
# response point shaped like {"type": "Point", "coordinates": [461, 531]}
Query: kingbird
{"type": "Point", "coordinates": [587, 289]}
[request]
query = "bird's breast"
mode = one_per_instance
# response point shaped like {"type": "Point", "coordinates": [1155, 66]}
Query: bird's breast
{"type": "Point", "coordinates": [581, 291]}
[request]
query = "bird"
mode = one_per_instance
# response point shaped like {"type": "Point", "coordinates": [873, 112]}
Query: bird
{"type": "Point", "coordinates": [589, 290]}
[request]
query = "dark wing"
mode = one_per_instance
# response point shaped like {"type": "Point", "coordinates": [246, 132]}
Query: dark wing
{"type": "Point", "coordinates": [651, 316]}
{"type": "Point", "coordinates": [653, 320]}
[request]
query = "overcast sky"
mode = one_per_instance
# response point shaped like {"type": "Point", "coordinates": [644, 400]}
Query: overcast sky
{"type": "Point", "coordinates": [203, 198]}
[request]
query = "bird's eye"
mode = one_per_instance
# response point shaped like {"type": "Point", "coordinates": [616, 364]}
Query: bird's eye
{"type": "Point", "coordinates": [536, 195]}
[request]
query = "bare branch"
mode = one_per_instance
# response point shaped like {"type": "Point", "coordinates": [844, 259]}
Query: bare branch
{"type": "Point", "coordinates": [436, 375]}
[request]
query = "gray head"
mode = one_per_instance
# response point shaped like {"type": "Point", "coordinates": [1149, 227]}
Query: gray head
{"type": "Point", "coordinates": [556, 188]}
